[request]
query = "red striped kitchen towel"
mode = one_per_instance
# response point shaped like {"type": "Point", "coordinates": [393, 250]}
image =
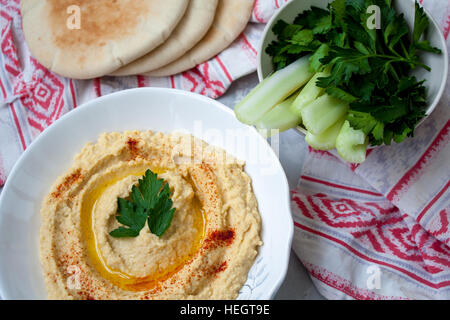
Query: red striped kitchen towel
{"type": "Point", "coordinates": [381, 230]}
{"type": "Point", "coordinates": [32, 97]}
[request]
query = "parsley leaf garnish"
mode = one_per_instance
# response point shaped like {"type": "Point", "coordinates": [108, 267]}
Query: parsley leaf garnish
{"type": "Point", "coordinates": [149, 201]}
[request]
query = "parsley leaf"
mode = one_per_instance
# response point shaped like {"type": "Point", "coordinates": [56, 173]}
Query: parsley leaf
{"type": "Point", "coordinates": [161, 217]}
{"type": "Point", "coordinates": [315, 17]}
{"type": "Point", "coordinates": [150, 201]}
{"type": "Point", "coordinates": [344, 63]}
{"type": "Point", "coordinates": [421, 23]}
{"type": "Point", "coordinates": [302, 37]}
{"type": "Point", "coordinates": [131, 217]}
{"type": "Point", "coordinates": [314, 62]}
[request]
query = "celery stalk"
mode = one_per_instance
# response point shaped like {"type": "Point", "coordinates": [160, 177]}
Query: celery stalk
{"type": "Point", "coordinates": [309, 93]}
{"type": "Point", "coordinates": [281, 117]}
{"type": "Point", "coordinates": [273, 90]}
{"type": "Point", "coordinates": [326, 140]}
{"type": "Point", "coordinates": [322, 113]}
{"type": "Point", "coordinates": [352, 144]}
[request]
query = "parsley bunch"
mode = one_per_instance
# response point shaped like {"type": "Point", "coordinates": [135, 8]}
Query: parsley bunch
{"type": "Point", "coordinates": [369, 68]}
{"type": "Point", "coordinates": [149, 201]}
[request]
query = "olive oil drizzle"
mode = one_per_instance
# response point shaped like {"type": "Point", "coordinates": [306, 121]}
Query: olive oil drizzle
{"type": "Point", "coordinates": [117, 277]}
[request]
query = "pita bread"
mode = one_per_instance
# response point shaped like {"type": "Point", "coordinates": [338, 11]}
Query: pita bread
{"type": "Point", "coordinates": [231, 18]}
{"type": "Point", "coordinates": [112, 33]}
{"type": "Point", "coordinates": [192, 28]}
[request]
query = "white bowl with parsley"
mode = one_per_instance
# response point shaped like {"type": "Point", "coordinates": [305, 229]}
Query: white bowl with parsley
{"type": "Point", "coordinates": [319, 53]}
{"type": "Point", "coordinates": [159, 110]}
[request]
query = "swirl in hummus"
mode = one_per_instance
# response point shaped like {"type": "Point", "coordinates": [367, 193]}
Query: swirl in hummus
{"type": "Point", "coordinates": [207, 251]}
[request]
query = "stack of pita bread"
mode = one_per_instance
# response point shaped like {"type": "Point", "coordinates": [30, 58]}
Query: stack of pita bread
{"type": "Point", "coordinates": [85, 39]}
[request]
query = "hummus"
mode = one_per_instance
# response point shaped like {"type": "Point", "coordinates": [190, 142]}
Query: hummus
{"type": "Point", "coordinates": [207, 251]}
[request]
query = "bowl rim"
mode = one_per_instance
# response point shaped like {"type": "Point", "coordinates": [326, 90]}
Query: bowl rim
{"type": "Point", "coordinates": [85, 107]}
{"type": "Point", "coordinates": [432, 106]}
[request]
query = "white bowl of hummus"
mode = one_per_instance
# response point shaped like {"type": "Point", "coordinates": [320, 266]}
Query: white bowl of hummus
{"type": "Point", "coordinates": [223, 229]}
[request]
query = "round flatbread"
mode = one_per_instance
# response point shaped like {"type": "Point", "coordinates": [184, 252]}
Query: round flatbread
{"type": "Point", "coordinates": [86, 39]}
{"type": "Point", "coordinates": [231, 18]}
{"type": "Point", "coordinates": [192, 28]}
